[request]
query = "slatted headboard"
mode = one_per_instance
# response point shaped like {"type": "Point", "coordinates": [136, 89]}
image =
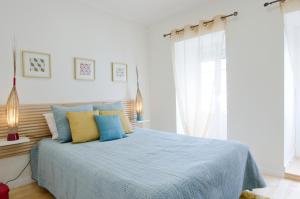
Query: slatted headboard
{"type": "Point", "coordinates": [33, 125]}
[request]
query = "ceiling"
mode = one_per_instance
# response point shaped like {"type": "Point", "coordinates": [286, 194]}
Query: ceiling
{"type": "Point", "coordinates": [146, 12]}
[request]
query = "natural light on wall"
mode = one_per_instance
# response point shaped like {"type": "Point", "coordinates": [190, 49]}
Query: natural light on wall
{"type": "Point", "coordinates": [200, 78]}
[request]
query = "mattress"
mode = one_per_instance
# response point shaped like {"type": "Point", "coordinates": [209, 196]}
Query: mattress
{"type": "Point", "coordinates": [147, 164]}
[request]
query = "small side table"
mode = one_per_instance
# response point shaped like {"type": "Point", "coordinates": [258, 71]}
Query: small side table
{"type": "Point", "coordinates": [4, 142]}
{"type": "Point", "coordinates": [141, 124]}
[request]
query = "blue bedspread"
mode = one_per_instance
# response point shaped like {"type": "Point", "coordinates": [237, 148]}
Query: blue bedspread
{"type": "Point", "coordinates": [146, 165]}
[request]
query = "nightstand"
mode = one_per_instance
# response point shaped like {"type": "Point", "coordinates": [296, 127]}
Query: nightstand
{"type": "Point", "coordinates": [141, 124]}
{"type": "Point", "coordinates": [4, 142]}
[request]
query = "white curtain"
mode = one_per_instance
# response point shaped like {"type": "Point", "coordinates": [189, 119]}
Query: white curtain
{"type": "Point", "coordinates": [291, 78]}
{"type": "Point", "coordinates": [199, 63]}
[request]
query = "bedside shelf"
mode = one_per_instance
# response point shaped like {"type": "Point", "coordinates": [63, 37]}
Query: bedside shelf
{"type": "Point", "coordinates": [4, 142]}
{"type": "Point", "coordinates": [142, 122]}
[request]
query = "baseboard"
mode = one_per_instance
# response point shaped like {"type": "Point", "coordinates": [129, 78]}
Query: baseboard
{"type": "Point", "coordinates": [292, 177]}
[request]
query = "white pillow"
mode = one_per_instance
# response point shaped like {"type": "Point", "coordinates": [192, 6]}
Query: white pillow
{"type": "Point", "coordinates": [51, 124]}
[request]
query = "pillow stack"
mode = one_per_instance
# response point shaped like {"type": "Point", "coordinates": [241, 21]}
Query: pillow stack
{"type": "Point", "coordinates": [88, 123]}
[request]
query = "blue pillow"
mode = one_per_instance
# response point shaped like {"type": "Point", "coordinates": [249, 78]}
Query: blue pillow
{"type": "Point", "coordinates": [62, 123]}
{"type": "Point", "coordinates": [110, 127]}
{"type": "Point", "coordinates": [117, 106]}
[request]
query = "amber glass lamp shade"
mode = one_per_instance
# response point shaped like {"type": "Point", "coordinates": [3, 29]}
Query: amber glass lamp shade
{"type": "Point", "coordinates": [12, 108]}
{"type": "Point", "coordinates": [138, 100]}
{"type": "Point", "coordinates": [139, 105]}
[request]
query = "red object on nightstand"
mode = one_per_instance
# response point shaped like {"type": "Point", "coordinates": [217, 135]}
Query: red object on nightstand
{"type": "Point", "coordinates": [4, 191]}
{"type": "Point", "coordinates": [12, 137]}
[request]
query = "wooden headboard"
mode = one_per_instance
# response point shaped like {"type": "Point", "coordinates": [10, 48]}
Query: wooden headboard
{"type": "Point", "coordinates": [33, 125]}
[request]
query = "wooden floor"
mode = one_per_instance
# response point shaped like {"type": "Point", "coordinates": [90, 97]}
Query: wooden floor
{"type": "Point", "coordinates": [277, 189]}
{"type": "Point", "coordinates": [280, 188]}
{"type": "Point", "coordinates": [31, 191]}
{"type": "Point", "coordinates": [293, 170]}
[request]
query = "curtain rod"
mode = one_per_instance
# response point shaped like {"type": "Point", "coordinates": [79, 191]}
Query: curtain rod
{"type": "Point", "coordinates": [272, 2]}
{"type": "Point", "coordinates": [204, 23]}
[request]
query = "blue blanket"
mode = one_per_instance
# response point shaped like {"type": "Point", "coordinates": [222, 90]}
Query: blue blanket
{"type": "Point", "coordinates": [146, 165]}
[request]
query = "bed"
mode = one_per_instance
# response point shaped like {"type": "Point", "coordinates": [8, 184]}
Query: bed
{"type": "Point", "coordinates": [148, 164]}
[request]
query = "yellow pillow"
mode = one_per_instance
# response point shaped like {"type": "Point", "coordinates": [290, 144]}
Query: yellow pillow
{"type": "Point", "coordinates": [83, 126]}
{"type": "Point", "coordinates": [124, 119]}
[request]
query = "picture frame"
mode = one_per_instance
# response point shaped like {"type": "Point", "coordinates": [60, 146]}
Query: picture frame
{"type": "Point", "coordinates": [119, 72]}
{"type": "Point", "coordinates": [84, 69]}
{"type": "Point", "coordinates": [36, 64]}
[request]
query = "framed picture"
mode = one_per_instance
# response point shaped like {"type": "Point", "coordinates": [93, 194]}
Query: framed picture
{"type": "Point", "coordinates": [36, 64]}
{"type": "Point", "coordinates": [119, 72]}
{"type": "Point", "coordinates": [84, 69]}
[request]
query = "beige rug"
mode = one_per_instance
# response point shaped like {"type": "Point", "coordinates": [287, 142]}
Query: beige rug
{"type": "Point", "coordinates": [250, 195]}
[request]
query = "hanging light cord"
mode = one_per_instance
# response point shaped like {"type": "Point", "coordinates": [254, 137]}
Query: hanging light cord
{"type": "Point", "coordinates": [137, 77]}
{"type": "Point", "coordinates": [22, 171]}
{"type": "Point", "coordinates": [15, 66]}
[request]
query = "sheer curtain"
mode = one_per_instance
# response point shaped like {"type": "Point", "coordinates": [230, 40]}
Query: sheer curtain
{"type": "Point", "coordinates": [199, 64]}
{"type": "Point", "coordinates": [291, 10]}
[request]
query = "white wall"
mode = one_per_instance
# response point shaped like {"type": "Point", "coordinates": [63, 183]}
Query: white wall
{"type": "Point", "coordinates": [66, 30]}
{"type": "Point", "coordinates": [255, 71]}
{"type": "Point", "coordinates": [11, 167]}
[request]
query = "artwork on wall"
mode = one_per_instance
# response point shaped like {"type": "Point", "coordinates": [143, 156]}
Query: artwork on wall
{"type": "Point", "coordinates": [119, 72]}
{"type": "Point", "coordinates": [36, 64]}
{"type": "Point", "coordinates": [84, 69]}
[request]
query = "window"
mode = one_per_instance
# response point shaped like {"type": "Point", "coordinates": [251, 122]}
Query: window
{"type": "Point", "coordinates": [200, 78]}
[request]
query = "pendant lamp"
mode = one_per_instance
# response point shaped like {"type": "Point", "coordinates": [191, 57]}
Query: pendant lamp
{"type": "Point", "coordinates": [138, 100]}
{"type": "Point", "coordinates": [12, 108]}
